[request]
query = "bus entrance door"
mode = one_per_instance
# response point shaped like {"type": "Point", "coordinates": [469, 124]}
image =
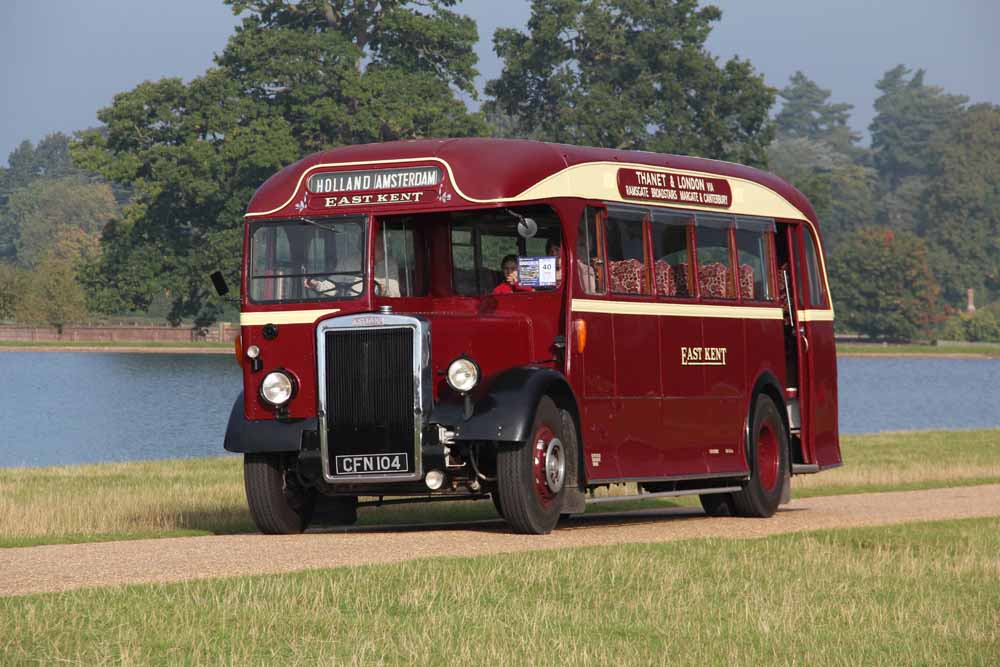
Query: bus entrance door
{"type": "Point", "coordinates": [817, 354]}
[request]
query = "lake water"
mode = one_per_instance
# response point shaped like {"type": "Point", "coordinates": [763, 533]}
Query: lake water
{"type": "Point", "coordinates": [76, 407]}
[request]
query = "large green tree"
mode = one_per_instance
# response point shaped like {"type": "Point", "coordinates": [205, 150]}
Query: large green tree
{"type": "Point", "coordinates": [960, 208]}
{"type": "Point", "coordinates": [630, 74]}
{"type": "Point", "coordinates": [296, 77]}
{"type": "Point", "coordinates": [884, 285]}
{"type": "Point", "coordinates": [909, 113]}
{"type": "Point", "coordinates": [807, 113]}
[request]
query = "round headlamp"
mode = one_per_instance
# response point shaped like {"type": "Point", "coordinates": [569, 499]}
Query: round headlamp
{"type": "Point", "coordinates": [463, 374]}
{"type": "Point", "coordinates": [277, 388]}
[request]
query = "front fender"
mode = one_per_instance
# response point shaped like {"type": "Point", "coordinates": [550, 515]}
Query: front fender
{"type": "Point", "coordinates": [505, 412]}
{"type": "Point", "coordinates": [244, 436]}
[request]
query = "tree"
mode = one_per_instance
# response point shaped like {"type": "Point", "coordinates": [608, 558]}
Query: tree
{"type": "Point", "coordinates": [52, 294]}
{"type": "Point", "coordinates": [29, 163]}
{"type": "Point", "coordinates": [12, 284]}
{"type": "Point", "coordinates": [807, 114]}
{"type": "Point", "coordinates": [960, 207]}
{"type": "Point", "coordinates": [843, 192]}
{"type": "Point", "coordinates": [630, 75]}
{"type": "Point", "coordinates": [42, 209]}
{"type": "Point", "coordinates": [884, 284]}
{"type": "Point", "coordinates": [909, 114]}
{"type": "Point", "coordinates": [296, 77]}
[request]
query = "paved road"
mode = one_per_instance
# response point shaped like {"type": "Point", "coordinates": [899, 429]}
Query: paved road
{"type": "Point", "coordinates": [64, 567]}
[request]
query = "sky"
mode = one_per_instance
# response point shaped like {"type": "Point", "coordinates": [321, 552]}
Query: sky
{"type": "Point", "coordinates": [65, 59]}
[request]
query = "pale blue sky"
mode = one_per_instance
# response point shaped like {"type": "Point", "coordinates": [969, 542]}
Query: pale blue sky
{"type": "Point", "coordinates": [65, 59]}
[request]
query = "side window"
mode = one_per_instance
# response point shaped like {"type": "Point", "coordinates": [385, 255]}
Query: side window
{"type": "Point", "coordinates": [628, 270]}
{"type": "Point", "coordinates": [715, 273]}
{"type": "Point", "coordinates": [817, 295]}
{"type": "Point", "coordinates": [672, 254]}
{"type": "Point", "coordinates": [463, 260]}
{"type": "Point", "coordinates": [501, 251]}
{"type": "Point", "coordinates": [754, 257]}
{"type": "Point", "coordinates": [589, 255]}
{"type": "Point", "coordinates": [400, 266]}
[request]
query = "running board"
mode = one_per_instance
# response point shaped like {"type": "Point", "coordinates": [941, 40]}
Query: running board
{"type": "Point", "coordinates": [804, 468]}
{"type": "Point", "coordinates": [665, 494]}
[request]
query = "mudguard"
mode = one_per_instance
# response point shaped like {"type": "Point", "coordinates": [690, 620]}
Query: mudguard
{"type": "Point", "coordinates": [505, 411]}
{"type": "Point", "coordinates": [252, 437]}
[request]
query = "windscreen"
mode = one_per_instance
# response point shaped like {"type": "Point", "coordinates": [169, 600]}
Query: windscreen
{"type": "Point", "coordinates": [307, 260]}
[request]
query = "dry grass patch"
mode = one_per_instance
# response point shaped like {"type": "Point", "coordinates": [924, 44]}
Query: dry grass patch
{"type": "Point", "coordinates": [906, 460]}
{"type": "Point", "coordinates": [917, 594]}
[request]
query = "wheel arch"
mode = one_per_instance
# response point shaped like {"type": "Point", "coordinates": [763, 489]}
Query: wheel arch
{"type": "Point", "coordinates": [505, 411]}
{"type": "Point", "coordinates": [767, 384]}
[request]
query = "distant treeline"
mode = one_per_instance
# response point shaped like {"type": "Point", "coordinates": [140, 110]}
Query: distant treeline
{"type": "Point", "coordinates": [132, 215]}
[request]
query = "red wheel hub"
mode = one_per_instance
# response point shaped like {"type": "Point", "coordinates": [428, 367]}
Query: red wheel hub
{"type": "Point", "coordinates": [767, 457]}
{"type": "Point", "coordinates": [548, 465]}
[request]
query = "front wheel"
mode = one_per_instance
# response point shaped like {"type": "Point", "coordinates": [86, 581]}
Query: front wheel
{"type": "Point", "coordinates": [767, 452]}
{"type": "Point", "coordinates": [279, 504]}
{"type": "Point", "coordinates": [531, 478]}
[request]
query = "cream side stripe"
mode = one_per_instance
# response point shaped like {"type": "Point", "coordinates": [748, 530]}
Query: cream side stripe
{"type": "Point", "coordinates": [284, 317]}
{"type": "Point", "coordinates": [675, 309]}
{"type": "Point", "coordinates": [815, 316]}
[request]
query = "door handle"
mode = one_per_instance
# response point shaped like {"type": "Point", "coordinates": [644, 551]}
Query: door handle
{"type": "Point", "coordinates": [805, 341]}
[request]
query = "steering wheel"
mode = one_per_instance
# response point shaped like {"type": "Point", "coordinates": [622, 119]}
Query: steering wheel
{"type": "Point", "coordinates": [340, 289]}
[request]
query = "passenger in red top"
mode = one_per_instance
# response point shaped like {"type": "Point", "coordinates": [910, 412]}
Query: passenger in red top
{"type": "Point", "coordinates": [510, 285]}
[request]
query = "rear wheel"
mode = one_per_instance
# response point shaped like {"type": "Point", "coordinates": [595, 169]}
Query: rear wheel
{"type": "Point", "coordinates": [278, 503]}
{"type": "Point", "coordinates": [531, 478]}
{"type": "Point", "coordinates": [767, 452]}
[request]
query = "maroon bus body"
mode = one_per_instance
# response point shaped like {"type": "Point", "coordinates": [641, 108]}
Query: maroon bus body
{"type": "Point", "coordinates": [638, 417]}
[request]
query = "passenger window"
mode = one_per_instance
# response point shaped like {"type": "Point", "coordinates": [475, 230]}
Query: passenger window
{"type": "Point", "coordinates": [628, 271]}
{"type": "Point", "coordinates": [753, 253]}
{"type": "Point", "coordinates": [400, 266]}
{"type": "Point", "coordinates": [589, 255]}
{"type": "Point", "coordinates": [817, 296]}
{"type": "Point", "coordinates": [672, 254]}
{"type": "Point", "coordinates": [715, 275]}
{"type": "Point", "coordinates": [492, 250]}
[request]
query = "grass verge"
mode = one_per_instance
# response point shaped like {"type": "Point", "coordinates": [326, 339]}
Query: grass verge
{"type": "Point", "coordinates": [205, 496]}
{"type": "Point", "coordinates": [911, 594]}
{"type": "Point", "coordinates": [943, 350]}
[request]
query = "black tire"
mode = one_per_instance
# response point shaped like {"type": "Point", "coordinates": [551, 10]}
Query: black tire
{"type": "Point", "coordinates": [336, 511]}
{"type": "Point", "coordinates": [278, 504]}
{"type": "Point", "coordinates": [528, 504]}
{"type": "Point", "coordinates": [718, 504]}
{"type": "Point", "coordinates": [767, 453]}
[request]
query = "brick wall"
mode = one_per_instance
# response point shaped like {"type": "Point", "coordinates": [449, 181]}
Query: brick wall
{"type": "Point", "coordinates": [222, 332]}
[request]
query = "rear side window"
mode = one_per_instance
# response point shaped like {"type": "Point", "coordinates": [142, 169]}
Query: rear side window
{"type": "Point", "coordinates": [589, 255]}
{"type": "Point", "coordinates": [817, 295]}
{"type": "Point", "coordinates": [672, 254]}
{"type": "Point", "coordinates": [715, 273]}
{"type": "Point", "coordinates": [628, 270]}
{"type": "Point", "coordinates": [753, 252]}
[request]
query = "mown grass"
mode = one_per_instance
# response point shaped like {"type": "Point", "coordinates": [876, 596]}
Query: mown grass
{"type": "Point", "coordinates": [902, 595]}
{"type": "Point", "coordinates": [205, 496]}
{"type": "Point", "coordinates": [943, 349]}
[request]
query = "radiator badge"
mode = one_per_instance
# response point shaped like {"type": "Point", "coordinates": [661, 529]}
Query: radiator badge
{"type": "Point", "coordinates": [703, 356]}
